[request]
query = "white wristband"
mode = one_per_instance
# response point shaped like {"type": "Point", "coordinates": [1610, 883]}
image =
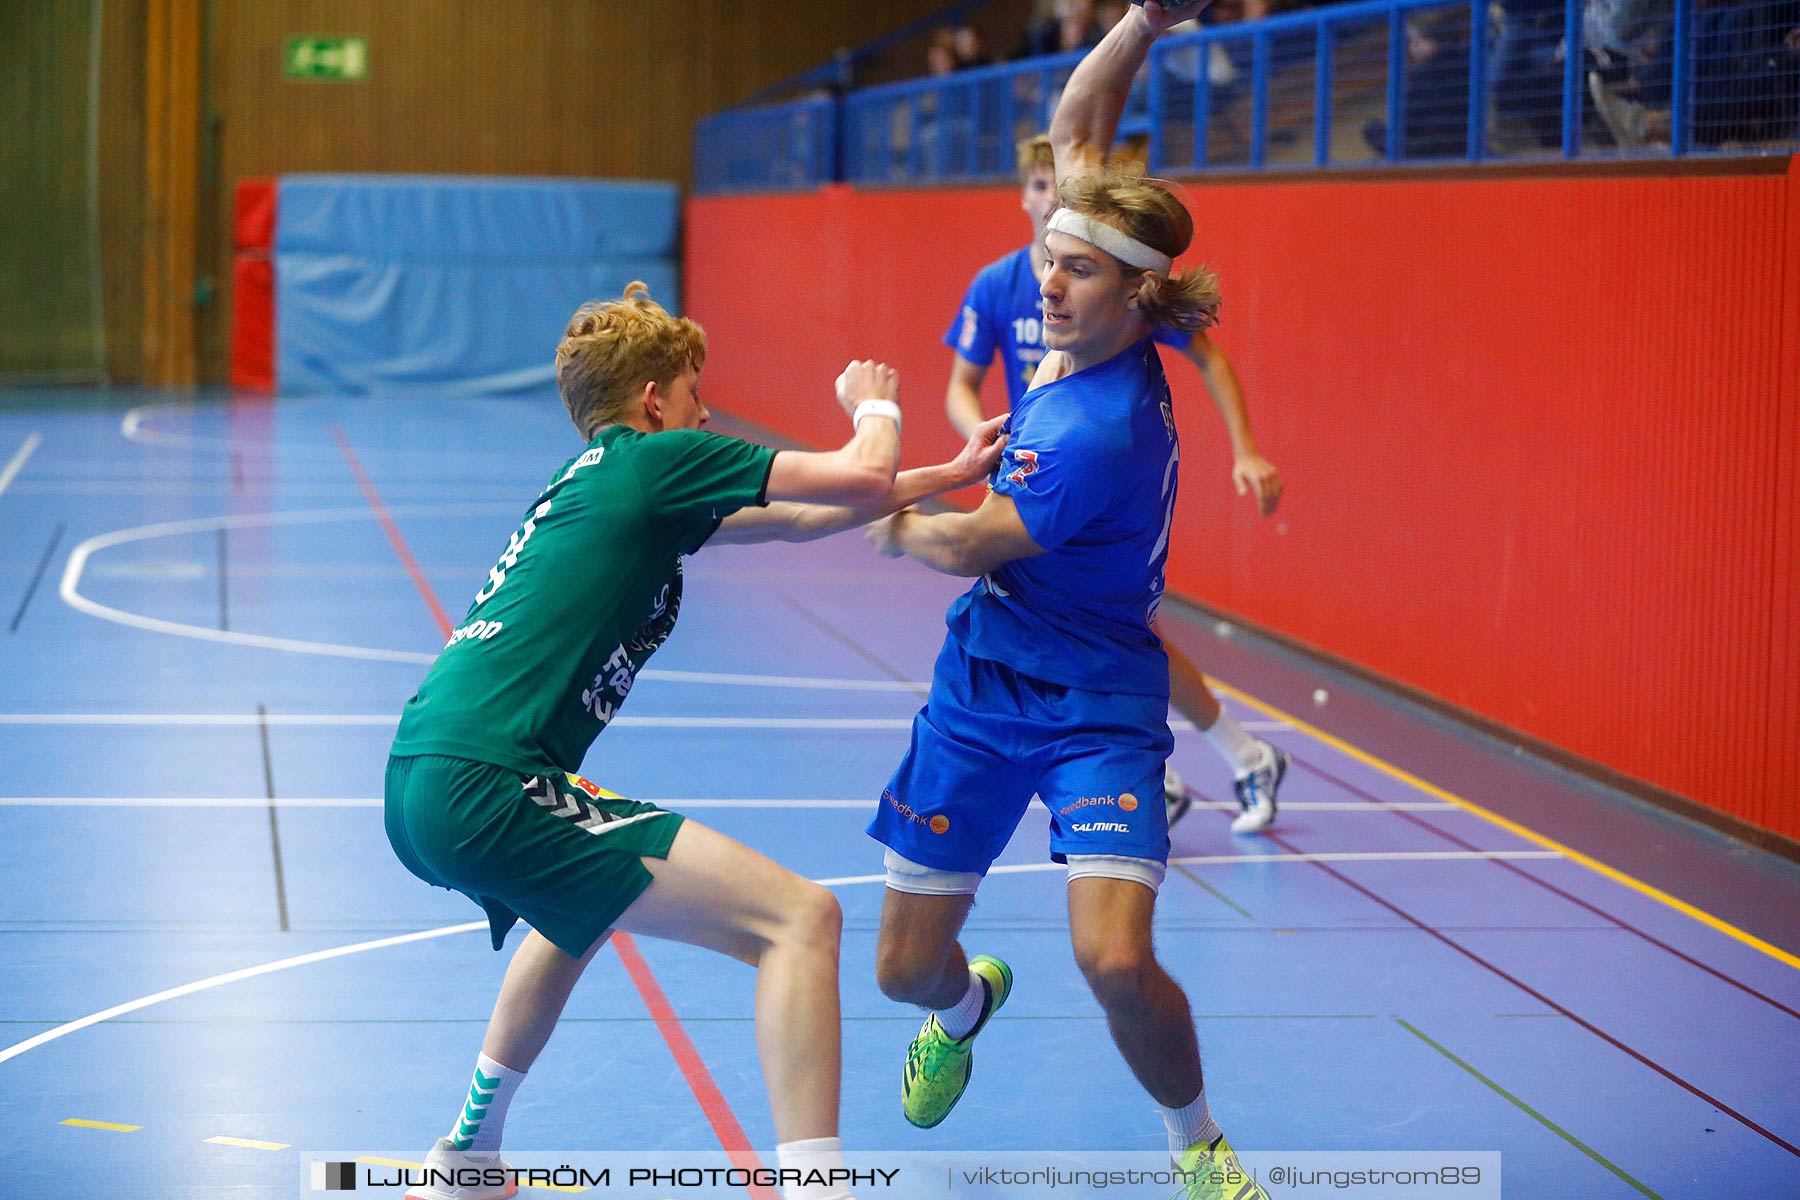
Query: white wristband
{"type": "Point", "coordinates": [877, 408]}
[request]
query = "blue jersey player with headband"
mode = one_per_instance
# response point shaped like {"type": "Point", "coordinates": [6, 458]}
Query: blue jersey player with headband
{"type": "Point", "coordinates": [1052, 680]}
{"type": "Point", "coordinates": [1002, 314]}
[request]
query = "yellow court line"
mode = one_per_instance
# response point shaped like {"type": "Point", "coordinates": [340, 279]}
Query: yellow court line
{"type": "Point", "coordinates": [113, 1126]}
{"type": "Point", "coordinates": [416, 1166]}
{"type": "Point", "coordinates": [1513, 827]}
{"type": "Point", "coordinates": [246, 1143]}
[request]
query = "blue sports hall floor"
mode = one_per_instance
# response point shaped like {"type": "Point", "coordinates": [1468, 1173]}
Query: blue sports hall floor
{"type": "Point", "coordinates": [212, 963]}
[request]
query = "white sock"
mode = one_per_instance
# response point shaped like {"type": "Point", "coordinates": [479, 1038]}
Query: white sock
{"type": "Point", "coordinates": [1243, 752]}
{"type": "Point", "coordinates": [483, 1116]}
{"type": "Point", "coordinates": [959, 1019]}
{"type": "Point", "coordinates": [812, 1154]}
{"type": "Point", "coordinates": [1192, 1122]}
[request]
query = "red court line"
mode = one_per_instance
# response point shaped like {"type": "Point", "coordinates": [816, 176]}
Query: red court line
{"type": "Point", "coordinates": [393, 533]}
{"type": "Point", "coordinates": [1472, 956]}
{"type": "Point", "coordinates": [693, 1068]}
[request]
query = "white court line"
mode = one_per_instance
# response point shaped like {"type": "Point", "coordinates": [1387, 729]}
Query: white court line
{"type": "Point", "coordinates": [301, 960]}
{"type": "Point", "coordinates": [70, 590]}
{"type": "Point", "coordinates": [213, 981]}
{"type": "Point", "coordinates": [788, 681]}
{"type": "Point", "coordinates": [71, 595]}
{"type": "Point", "coordinates": [71, 579]}
{"type": "Point", "coordinates": [1200, 860]}
{"type": "Point", "coordinates": [133, 429]}
{"type": "Point", "coordinates": [18, 461]}
{"type": "Point", "coordinates": [376, 720]}
{"type": "Point", "coordinates": [258, 802]}
{"type": "Point", "coordinates": [391, 719]}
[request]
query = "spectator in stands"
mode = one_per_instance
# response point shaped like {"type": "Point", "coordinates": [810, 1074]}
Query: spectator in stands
{"type": "Point", "coordinates": [1630, 48]}
{"type": "Point", "coordinates": [971, 48]}
{"type": "Point", "coordinates": [1527, 67]}
{"type": "Point", "coordinates": [1435, 118]}
{"type": "Point", "coordinates": [1228, 68]}
{"type": "Point", "coordinates": [1071, 25]}
{"type": "Point", "coordinates": [940, 56]}
{"type": "Point", "coordinates": [1746, 60]}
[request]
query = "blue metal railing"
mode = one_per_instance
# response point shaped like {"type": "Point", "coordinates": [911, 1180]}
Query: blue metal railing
{"type": "Point", "coordinates": [781, 147]}
{"type": "Point", "coordinates": [1362, 84]}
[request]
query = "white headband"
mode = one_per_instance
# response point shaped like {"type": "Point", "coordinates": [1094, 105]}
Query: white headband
{"type": "Point", "coordinates": [1120, 245]}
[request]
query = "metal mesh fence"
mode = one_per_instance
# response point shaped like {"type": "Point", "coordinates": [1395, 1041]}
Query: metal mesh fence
{"type": "Point", "coordinates": [1373, 82]}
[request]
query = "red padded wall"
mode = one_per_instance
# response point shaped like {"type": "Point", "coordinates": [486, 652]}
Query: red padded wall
{"type": "Point", "coordinates": [253, 286]}
{"type": "Point", "coordinates": [1541, 435]}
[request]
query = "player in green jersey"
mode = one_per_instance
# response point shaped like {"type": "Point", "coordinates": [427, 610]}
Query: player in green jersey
{"type": "Point", "coordinates": [481, 791]}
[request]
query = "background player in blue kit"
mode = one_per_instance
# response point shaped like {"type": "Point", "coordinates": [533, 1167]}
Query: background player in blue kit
{"type": "Point", "coordinates": [1052, 679]}
{"type": "Point", "coordinates": [1002, 313]}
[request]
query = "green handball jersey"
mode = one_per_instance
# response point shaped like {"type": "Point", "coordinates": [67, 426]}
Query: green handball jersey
{"type": "Point", "coordinates": [587, 589]}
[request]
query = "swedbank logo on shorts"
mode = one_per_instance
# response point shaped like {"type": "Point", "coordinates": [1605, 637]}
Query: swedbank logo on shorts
{"type": "Point", "coordinates": [937, 823]}
{"type": "Point", "coordinates": [1124, 801]}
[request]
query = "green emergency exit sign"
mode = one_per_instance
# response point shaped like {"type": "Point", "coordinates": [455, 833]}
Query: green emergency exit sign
{"type": "Point", "coordinates": [327, 58]}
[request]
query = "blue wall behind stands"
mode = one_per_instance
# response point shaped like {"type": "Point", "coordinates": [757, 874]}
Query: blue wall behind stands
{"type": "Point", "coordinates": [454, 284]}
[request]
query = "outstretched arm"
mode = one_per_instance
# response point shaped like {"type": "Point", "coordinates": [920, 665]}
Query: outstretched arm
{"type": "Point", "coordinates": [1250, 471]}
{"type": "Point", "coordinates": [787, 522]}
{"type": "Point", "coordinates": [958, 543]}
{"type": "Point", "coordinates": [1087, 116]}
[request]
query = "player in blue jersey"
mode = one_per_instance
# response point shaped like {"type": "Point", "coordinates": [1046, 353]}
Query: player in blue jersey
{"type": "Point", "coordinates": [1052, 679]}
{"type": "Point", "coordinates": [1002, 313]}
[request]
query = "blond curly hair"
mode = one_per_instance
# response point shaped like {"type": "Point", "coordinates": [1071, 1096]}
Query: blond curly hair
{"type": "Point", "coordinates": [612, 348]}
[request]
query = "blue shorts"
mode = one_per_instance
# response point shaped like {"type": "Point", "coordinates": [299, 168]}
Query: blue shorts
{"type": "Point", "coordinates": [989, 738]}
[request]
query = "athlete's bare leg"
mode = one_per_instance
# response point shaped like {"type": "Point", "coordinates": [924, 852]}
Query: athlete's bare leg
{"type": "Point", "coordinates": [1147, 1012]}
{"type": "Point", "coordinates": [718, 893]}
{"type": "Point", "coordinates": [1188, 693]}
{"type": "Point", "coordinates": [538, 982]}
{"type": "Point", "coordinates": [918, 959]}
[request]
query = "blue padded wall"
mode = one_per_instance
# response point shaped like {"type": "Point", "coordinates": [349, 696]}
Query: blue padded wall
{"type": "Point", "coordinates": [454, 284]}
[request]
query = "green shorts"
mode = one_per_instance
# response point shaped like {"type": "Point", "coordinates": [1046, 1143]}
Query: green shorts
{"type": "Point", "coordinates": [555, 851]}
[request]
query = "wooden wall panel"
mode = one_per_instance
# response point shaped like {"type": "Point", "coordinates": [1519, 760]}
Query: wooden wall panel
{"type": "Point", "coordinates": [172, 73]}
{"type": "Point", "coordinates": [508, 87]}
{"type": "Point", "coordinates": [122, 195]}
{"type": "Point", "coordinates": [49, 318]}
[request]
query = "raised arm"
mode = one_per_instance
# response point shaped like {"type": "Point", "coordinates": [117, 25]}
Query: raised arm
{"type": "Point", "coordinates": [1087, 116]}
{"type": "Point", "coordinates": [861, 471]}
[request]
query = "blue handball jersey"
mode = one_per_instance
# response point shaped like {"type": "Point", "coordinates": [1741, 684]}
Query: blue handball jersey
{"type": "Point", "coordinates": [1091, 463]}
{"type": "Point", "coordinates": [1003, 311]}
